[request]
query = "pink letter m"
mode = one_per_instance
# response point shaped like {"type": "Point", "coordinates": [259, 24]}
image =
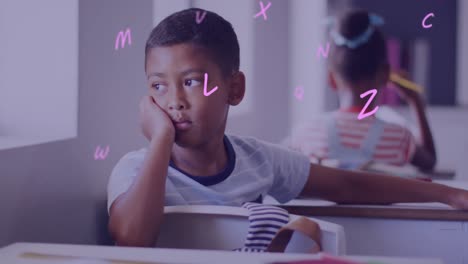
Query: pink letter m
{"type": "Point", "coordinates": [123, 38]}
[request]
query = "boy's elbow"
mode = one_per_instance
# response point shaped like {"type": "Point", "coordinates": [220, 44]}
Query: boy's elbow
{"type": "Point", "coordinates": [124, 236]}
{"type": "Point", "coordinates": [120, 234]}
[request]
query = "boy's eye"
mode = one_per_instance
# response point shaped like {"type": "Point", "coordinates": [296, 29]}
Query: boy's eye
{"type": "Point", "coordinates": [157, 86]}
{"type": "Point", "coordinates": [192, 82]}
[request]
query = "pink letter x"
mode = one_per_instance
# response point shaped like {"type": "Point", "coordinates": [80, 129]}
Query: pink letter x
{"type": "Point", "coordinates": [263, 11]}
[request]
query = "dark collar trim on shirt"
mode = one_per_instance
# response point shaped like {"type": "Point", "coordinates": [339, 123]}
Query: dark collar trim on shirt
{"type": "Point", "coordinates": [217, 178]}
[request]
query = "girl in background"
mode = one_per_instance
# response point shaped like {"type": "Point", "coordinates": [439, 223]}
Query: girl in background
{"type": "Point", "coordinates": [358, 63]}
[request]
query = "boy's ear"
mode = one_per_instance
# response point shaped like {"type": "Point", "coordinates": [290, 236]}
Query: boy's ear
{"type": "Point", "coordinates": [237, 89]}
{"type": "Point", "coordinates": [332, 80]}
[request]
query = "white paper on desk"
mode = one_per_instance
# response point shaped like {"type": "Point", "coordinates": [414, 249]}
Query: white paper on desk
{"type": "Point", "coordinates": [405, 171]}
{"type": "Point", "coordinates": [87, 261]}
{"type": "Point", "coordinates": [53, 258]}
{"type": "Point", "coordinates": [40, 258]}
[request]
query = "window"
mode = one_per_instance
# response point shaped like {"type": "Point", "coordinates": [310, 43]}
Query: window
{"type": "Point", "coordinates": [39, 71]}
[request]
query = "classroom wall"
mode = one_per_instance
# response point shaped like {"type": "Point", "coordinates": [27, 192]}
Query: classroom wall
{"type": "Point", "coordinates": [462, 53]}
{"type": "Point", "coordinates": [269, 114]}
{"type": "Point", "coordinates": [56, 192]}
{"type": "Point", "coordinates": [306, 69]}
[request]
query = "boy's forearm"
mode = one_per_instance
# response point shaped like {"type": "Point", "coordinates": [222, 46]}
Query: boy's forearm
{"type": "Point", "coordinates": [137, 214]}
{"type": "Point", "coordinates": [383, 189]}
{"type": "Point", "coordinates": [354, 187]}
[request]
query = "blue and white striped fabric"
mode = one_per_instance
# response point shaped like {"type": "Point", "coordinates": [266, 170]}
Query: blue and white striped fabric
{"type": "Point", "coordinates": [265, 222]}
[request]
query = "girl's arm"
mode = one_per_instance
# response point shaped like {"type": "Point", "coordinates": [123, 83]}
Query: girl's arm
{"type": "Point", "coordinates": [355, 187]}
{"type": "Point", "coordinates": [425, 156]}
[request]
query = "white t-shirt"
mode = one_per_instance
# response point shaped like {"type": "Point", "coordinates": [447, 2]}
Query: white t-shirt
{"type": "Point", "coordinates": [254, 169]}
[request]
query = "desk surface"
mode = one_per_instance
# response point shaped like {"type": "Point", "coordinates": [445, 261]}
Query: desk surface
{"type": "Point", "coordinates": [442, 175]}
{"type": "Point", "coordinates": [419, 211]}
{"type": "Point", "coordinates": [60, 253]}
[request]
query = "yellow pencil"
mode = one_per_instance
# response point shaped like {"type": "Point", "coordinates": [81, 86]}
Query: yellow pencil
{"type": "Point", "coordinates": [405, 83]}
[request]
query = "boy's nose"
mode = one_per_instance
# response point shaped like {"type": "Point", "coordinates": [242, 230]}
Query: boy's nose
{"type": "Point", "coordinates": [177, 101]}
{"type": "Point", "coordinates": [176, 106]}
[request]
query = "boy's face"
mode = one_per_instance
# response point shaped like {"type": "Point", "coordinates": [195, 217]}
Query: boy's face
{"type": "Point", "coordinates": [175, 78]}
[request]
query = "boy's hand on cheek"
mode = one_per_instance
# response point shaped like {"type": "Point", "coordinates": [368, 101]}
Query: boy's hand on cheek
{"type": "Point", "coordinates": [154, 121]}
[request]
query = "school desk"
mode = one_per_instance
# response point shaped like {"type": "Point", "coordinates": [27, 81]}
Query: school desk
{"type": "Point", "coordinates": [60, 253]}
{"type": "Point", "coordinates": [442, 175]}
{"type": "Point", "coordinates": [407, 229]}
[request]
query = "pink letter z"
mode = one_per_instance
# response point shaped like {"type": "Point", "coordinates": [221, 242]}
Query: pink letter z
{"type": "Point", "coordinates": [373, 93]}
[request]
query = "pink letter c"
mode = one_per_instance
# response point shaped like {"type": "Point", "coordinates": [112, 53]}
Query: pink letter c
{"type": "Point", "coordinates": [424, 20]}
